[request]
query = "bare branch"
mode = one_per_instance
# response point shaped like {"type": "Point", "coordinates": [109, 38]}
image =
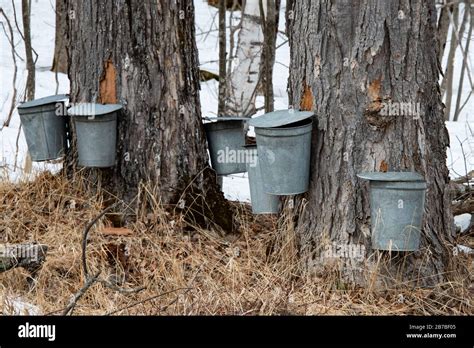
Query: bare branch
{"type": "Point", "coordinates": [6, 123]}
{"type": "Point", "coordinates": [72, 303]}
{"type": "Point", "coordinates": [20, 32]}
{"type": "Point", "coordinates": [457, 109]}
{"type": "Point", "coordinates": [91, 280]}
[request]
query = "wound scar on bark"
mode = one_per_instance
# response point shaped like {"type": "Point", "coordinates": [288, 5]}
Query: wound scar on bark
{"type": "Point", "coordinates": [307, 100]}
{"type": "Point", "coordinates": [375, 105]}
{"type": "Point", "coordinates": [108, 89]}
{"type": "Point", "coordinates": [383, 166]}
{"type": "Point", "coordinates": [374, 91]}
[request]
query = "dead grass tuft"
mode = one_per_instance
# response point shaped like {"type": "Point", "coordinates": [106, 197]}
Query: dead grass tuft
{"type": "Point", "coordinates": [185, 270]}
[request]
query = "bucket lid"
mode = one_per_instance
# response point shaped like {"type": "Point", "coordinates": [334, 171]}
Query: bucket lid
{"type": "Point", "coordinates": [280, 118]}
{"type": "Point", "coordinates": [43, 101]}
{"type": "Point", "coordinates": [223, 119]}
{"type": "Point", "coordinates": [391, 176]}
{"type": "Point", "coordinates": [91, 109]}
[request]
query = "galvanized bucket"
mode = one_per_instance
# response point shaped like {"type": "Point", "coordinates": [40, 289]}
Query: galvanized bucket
{"type": "Point", "coordinates": [226, 138]}
{"type": "Point", "coordinates": [284, 150]}
{"type": "Point", "coordinates": [262, 203]}
{"type": "Point", "coordinates": [44, 126]}
{"type": "Point", "coordinates": [96, 132]}
{"type": "Point", "coordinates": [397, 201]}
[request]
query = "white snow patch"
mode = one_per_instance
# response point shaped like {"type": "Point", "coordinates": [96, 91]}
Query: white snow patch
{"type": "Point", "coordinates": [15, 305]}
{"type": "Point", "coordinates": [236, 187]}
{"type": "Point", "coordinates": [462, 249]}
{"type": "Point", "coordinates": [463, 221]}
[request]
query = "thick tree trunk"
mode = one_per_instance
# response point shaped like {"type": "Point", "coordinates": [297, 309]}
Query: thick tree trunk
{"type": "Point", "coordinates": [143, 55]}
{"type": "Point", "coordinates": [348, 60]}
{"type": "Point", "coordinates": [60, 53]}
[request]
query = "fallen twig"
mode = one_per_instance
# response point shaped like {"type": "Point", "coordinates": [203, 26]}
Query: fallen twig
{"type": "Point", "coordinates": [91, 280]}
{"type": "Point", "coordinates": [86, 233]}
{"type": "Point", "coordinates": [72, 303]}
{"type": "Point", "coordinates": [148, 299]}
{"type": "Point", "coordinates": [464, 206]}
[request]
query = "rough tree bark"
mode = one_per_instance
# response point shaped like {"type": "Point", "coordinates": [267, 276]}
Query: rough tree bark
{"type": "Point", "coordinates": [348, 58]}
{"type": "Point", "coordinates": [143, 55]}
{"type": "Point", "coordinates": [60, 53]}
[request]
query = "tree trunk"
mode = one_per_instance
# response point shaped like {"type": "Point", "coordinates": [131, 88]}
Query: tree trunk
{"type": "Point", "coordinates": [222, 58]}
{"type": "Point", "coordinates": [447, 84]}
{"type": "Point", "coordinates": [443, 29]}
{"type": "Point", "coordinates": [60, 53]}
{"type": "Point", "coordinates": [467, 9]}
{"type": "Point", "coordinates": [349, 59]}
{"type": "Point", "coordinates": [245, 76]}
{"type": "Point", "coordinates": [270, 34]}
{"type": "Point", "coordinates": [30, 63]}
{"type": "Point", "coordinates": [143, 55]}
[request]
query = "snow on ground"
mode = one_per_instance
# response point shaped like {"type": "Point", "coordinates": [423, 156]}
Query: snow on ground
{"type": "Point", "coordinates": [42, 36]}
{"type": "Point", "coordinates": [235, 186]}
{"type": "Point", "coordinates": [15, 305]}
{"type": "Point", "coordinates": [463, 221]}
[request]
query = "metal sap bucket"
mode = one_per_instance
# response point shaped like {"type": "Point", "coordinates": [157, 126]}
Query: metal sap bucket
{"type": "Point", "coordinates": [96, 132]}
{"type": "Point", "coordinates": [44, 126]}
{"type": "Point", "coordinates": [284, 150]}
{"type": "Point", "coordinates": [397, 201]}
{"type": "Point", "coordinates": [226, 138]}
{"type": "Point", "coordinates": [262, 203]}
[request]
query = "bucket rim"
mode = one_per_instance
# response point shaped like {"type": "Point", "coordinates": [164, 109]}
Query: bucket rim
{"type": "Point", "coordinates": [392, 176]}
{"type": "Point", "coordinates": [285, 193]}
{"type": "Point", "coordinates": [280, 118]}
{"type": "Point", "coordinates": [308, 125]}
{"type": "Point", "coordinates": [52, 99]}
{"type": "Point", "coordinates": [224, 119]}
{"type": "Point", "coordinates": [93, 109]}
{"type": "Point", "coordinates": [45, 159]}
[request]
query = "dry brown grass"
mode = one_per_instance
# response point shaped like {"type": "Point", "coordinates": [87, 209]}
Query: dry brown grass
{"type": "Point", "coordinates": [196, 271]}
